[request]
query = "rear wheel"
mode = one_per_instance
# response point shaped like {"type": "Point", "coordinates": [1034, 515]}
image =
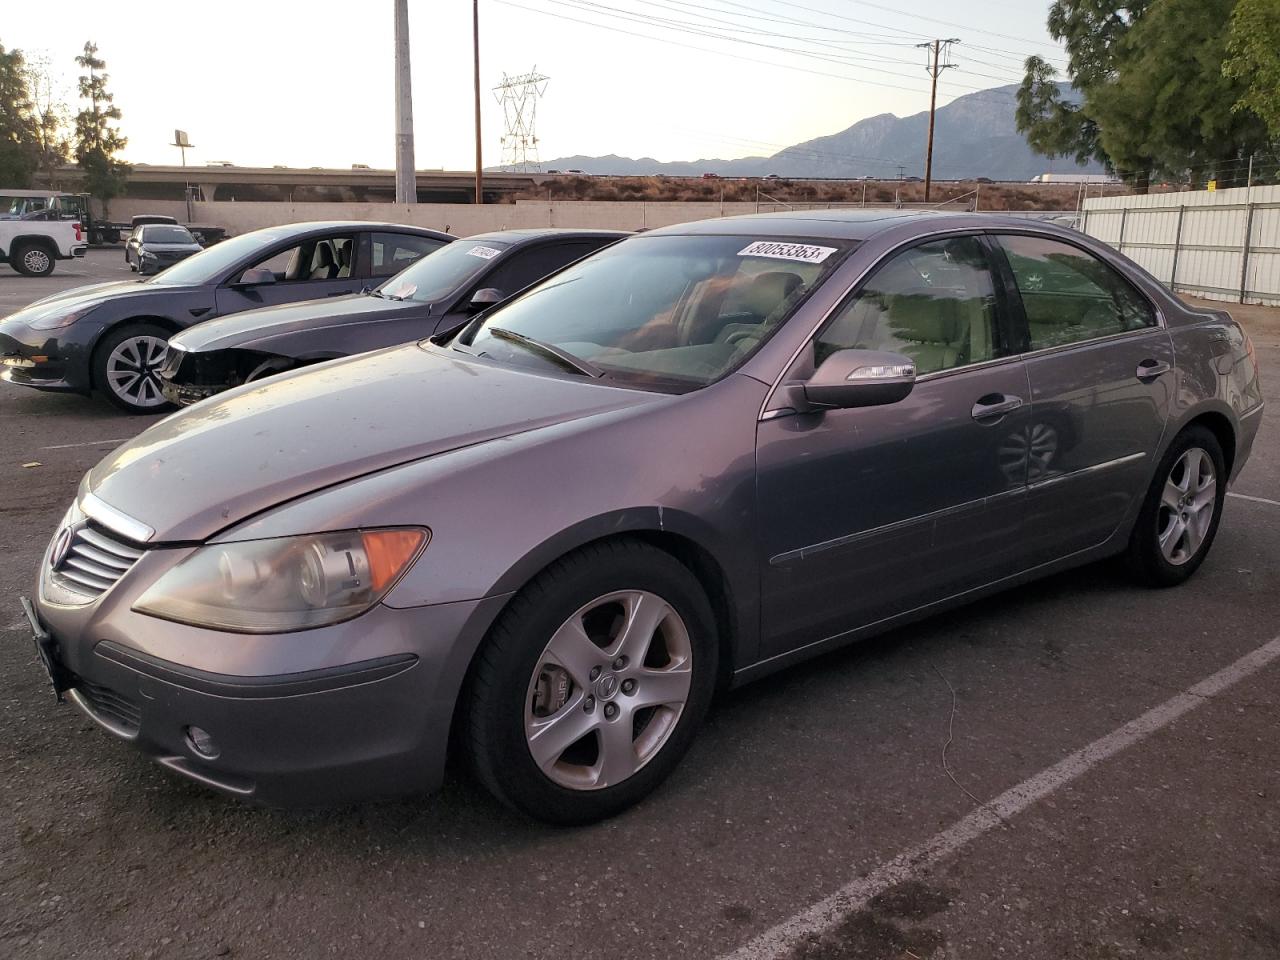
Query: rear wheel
{"type": "Point", "coordinates": [1180, 516]}
{"type": "Point", "coordinates": [592, 683]}
{"type": "Point", "coordinates": [32, 260]}
{"type": "Point", "coordinates": [127, 367]}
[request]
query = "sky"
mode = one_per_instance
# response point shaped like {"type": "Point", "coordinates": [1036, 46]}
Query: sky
{"type": "Point", "coordinates": [272, 82]}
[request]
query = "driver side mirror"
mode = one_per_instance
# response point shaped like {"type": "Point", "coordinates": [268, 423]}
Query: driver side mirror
{"type": "Point", "coordinates": [486, 297]}
{"type": "Point", "coordinates": [859, 378]}
{"type": "Point", "coordinates": [255, 276]}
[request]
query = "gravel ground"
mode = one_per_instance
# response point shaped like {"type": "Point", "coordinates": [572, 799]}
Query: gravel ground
{"type": "Point", "coordinates": [799, 785]}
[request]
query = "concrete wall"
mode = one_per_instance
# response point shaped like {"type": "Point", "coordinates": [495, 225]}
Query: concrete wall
{"type": "Point", "coordinates": [1221, 244]}
{"type": "Point", "coordinates": [462, 219]}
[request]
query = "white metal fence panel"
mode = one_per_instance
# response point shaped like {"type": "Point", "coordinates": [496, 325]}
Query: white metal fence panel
{"type": "Point", "coordinates": [1222, 245]}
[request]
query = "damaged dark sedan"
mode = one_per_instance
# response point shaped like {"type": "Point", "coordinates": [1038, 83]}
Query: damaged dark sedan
{"type": "Point", "coordinates": [434, 295]}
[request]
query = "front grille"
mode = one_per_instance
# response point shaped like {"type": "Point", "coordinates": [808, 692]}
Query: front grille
{"type": "Point", "coordinates": [110, 706]}
{"type": "Point", "coordinates": [95, 561]}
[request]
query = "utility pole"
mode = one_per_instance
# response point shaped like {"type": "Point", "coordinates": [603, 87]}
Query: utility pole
{"type": "Point", "coordinates": [939, 48]}
{"type": "Point", "coordinates": [406, 175]}
{"type": "Point", "coordinates": [475, 38]}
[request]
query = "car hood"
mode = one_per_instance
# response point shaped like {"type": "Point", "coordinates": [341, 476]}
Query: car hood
{"type": "Point", "coordinates": [232, 456]}
{"type": "Point", "coordinates": [243, 329]}
{"type": "Point", "coordinates": [172, 247]}
{"type": "Point", "coordinates": [99, 291]}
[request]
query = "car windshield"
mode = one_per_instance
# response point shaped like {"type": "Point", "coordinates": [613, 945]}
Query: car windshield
{"type": "Point", "coordinates": [442, 272]}
{"type": "Point", "coordinates": [208, 264]}
{"type": "Point", "coordinates": [167, 235]}
{"type": "Point", "coordinates": [660, 312]}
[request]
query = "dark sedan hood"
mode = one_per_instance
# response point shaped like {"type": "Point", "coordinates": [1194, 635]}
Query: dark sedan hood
{"type": "Point", "coordinates": [220, 461]}
{"type": "Point", "coordinates": [244, 329]}
{"type": "Point", "coordinates": [101, 291]}
{"type": "Point", "coordinates": [172, 247]}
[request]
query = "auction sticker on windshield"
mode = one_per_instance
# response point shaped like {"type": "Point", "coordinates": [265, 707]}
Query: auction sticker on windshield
{"type": "Point", "coordinates": [804, 252]}
{"type": "Point", "coordinates": [484, 253]}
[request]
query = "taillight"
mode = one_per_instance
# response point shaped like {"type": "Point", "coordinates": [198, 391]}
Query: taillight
{"type": "Point", "coordinates": [79, 235]}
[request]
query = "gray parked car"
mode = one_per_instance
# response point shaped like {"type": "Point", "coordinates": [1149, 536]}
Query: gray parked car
{"type": "Point", "coordinates": [687, 461]}
{"type": "Point", "coordinates": [154, 246]}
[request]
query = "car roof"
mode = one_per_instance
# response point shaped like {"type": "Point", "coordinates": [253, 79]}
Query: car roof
{"type": "Point", "coordinates": [320, 226]}
{"type": "Point", "coordinates": [844, 224]}
{"type": "Point", "coordinates": [532, 234]}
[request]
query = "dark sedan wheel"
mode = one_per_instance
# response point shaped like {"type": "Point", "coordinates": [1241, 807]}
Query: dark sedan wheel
{"type": "Point", "coordinates": [31, 260]}
{"type": "Point", "coordinates": [127, 367]}
{"type": "Point", "coordinates": [592, 684]}
{"type": "Point", "coordinates": [1180, 515]}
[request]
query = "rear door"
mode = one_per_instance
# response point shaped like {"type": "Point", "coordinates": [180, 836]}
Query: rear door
{"type": "Point", "coordinates": [868, 513]}
{"type": "Point", "coordinates": [1101, 371]}
{"type": "Point", "coordinates": [311, 269]}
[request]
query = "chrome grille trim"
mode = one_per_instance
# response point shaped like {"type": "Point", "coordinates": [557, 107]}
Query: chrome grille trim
{"type": "Point", "coordinates": [126, 553]}
{"type": "Point", "coordinates": [114, 520]}
{"type": "Point", "coordinates": [94, 562]}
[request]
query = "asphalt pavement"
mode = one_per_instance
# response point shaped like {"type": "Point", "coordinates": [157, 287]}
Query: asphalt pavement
{"type": "Point", "coordinates": [1076, 768]}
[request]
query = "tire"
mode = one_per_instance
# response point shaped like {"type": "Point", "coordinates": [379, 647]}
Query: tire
{"type": "Point", "coordinates": [520, 699]}
{"type": "Point", "coordinates": [1181, 512]}
{"type": "Point", "coordinates": [269, 368]}
{"type": "Point", "coordinates": [32, 260]}
{"type": "Point", "coordinates": [132, 348]}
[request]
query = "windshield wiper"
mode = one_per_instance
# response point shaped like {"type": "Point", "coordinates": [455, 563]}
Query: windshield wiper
{"type": "Point", "coordinates": [565, 358]}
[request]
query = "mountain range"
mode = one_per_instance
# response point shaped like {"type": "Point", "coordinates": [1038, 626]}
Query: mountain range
{"type": "Point", "coordinates": [976, 136]}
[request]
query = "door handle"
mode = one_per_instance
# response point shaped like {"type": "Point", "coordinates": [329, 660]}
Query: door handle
{"type": "Point", "coordinates": [994, 405]}
{"type": "Point", "coordinates": [1150, 369]}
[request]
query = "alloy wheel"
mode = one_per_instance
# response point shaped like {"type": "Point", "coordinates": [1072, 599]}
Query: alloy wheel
{"type": "Point", "coordinates": [133, 371]}
{"type": "Point", "coordinates": [36, 260]}
{"type": "Point", "coordinates": [1187, 504]}
{"type": "Point", "coordinates": [608, 690]}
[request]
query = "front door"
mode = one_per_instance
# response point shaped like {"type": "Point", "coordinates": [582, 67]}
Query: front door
{"type": "Point", "coordinates": [871, 512]}
{"type": "Point", "coordinates": [1101, 372]}
{"type": "Point", "coordinates": [313, 269]}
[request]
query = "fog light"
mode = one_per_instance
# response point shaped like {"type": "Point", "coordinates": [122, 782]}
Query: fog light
{"type": "Point", "coordinates": [201, 743]}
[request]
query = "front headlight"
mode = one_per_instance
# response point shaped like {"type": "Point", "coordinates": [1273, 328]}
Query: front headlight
{"type": "Point", "coordinates": [284, 584]}
{"type": "Point", "coordinates": [55, 318]}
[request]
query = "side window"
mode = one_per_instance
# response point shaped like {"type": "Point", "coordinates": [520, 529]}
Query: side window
{"type": "Point", "coordinates": [325, 258]}
{"type": "Point", "coordinates": [392, 252]}
{"type": "Point", "coordinates": [934, 303]}
{"type": "Point", "coordinates": [1069, 295]}
{"type": "Point", "coordinates": [525, 267]}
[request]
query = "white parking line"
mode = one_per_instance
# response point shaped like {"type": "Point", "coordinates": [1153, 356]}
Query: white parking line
{"type": "Point", "coordinates": [87, 443]}
{"type": "Point", "coordinates": [1241, 496]}
{"type": "Point", "coordinates": [857, 894]}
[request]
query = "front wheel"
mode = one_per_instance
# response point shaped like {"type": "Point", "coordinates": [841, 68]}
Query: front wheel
{"type": "Point", "coordinates": [127, 367]}
{"type": "Point", "coordinates": [592, 683]}
{"type": "Point", "coordinates": [1181, 512]}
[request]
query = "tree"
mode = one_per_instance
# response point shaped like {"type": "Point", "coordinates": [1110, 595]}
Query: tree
{"type": "Point", "coordinates": [1254, 44]}
{"type": "Point", "coordinates": [1154, 98]}
{"type": "Point", "coordinates": [97, 140]}
{"type": "Point", "coordinates": [17, 134]}
{"type": "Point", "coordinates": [50, 118]}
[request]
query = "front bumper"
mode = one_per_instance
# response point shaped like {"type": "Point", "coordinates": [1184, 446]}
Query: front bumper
{"type": "Point", "coordinates": [334, 715]}
{"type": "Point", "coordinates": [39, 359]}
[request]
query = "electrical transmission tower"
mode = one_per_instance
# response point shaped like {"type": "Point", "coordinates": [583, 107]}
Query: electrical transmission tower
{"type": "Point", "coordinates": [939, 59]}
{"type": "Point", "coordinates": [519, 97]}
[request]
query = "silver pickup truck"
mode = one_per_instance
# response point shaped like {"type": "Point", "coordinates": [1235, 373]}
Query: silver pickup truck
{"type": "Point", "coordinates": [33, 246]}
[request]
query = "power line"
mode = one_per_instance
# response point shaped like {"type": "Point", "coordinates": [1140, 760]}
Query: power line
{"type": "Point", "coordinates": [976, 92]}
